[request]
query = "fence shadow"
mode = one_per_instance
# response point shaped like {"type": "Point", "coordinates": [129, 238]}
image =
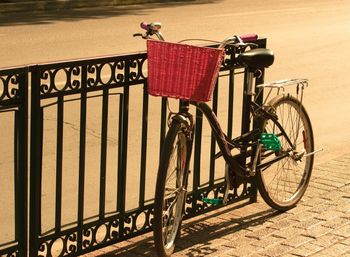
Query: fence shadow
{"type": "Point", "coordinates": [198, 234]}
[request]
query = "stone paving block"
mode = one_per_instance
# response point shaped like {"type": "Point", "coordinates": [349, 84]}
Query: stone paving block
{"type": "Point", "coordinates": [343, 231]}
{"type": "Point", "coordinates": [336, 222]}
{"type": "Point", "coordinates": [308, 223]}
{"type": "Point", "coordinates": [183, 244]}
{"type": "Point", "coordinates": [208, 250]}
{"type": "Point", "coordinates": [329, 215]}
{"type": "Point", "coordinates": [318, 254]}
{"type": "Point", "coordinates": [145, 253]}
{"type": "Point", "coordinates": [277, 250]}
{"type": "Point", "coordinates": [314, 201]}
{"type": "Point", "coordinates": [327, 240]}
{"type": "Point", "coordinates": [335, 167]}
{"type": "Point", "coordinates": [344, 210]}
{"type": "Point", "coordinates": [221, 251]}
{"type": "Point", "coordinates": [340, 175]}
{"type": "Point", "coordinates": [281, 216]}
{"type": "Point", "coordinates": [335, 250]}
{"type": "Point", "coordinates": [316, 231]}
{"type": "Point", "coordinates": [289, 233]}
{"type": "Point", "coordinates": [329, 171]}
{"type": "Point", "coordinates": [314, 193]}
{"type": "Point", "coordinates": [346, 255]}
{"type": "Point", "coordinates": [304, 216]}
{"type": "Point", "coordinates": [330, 182]}
{"type": "Point", "coordinates": [306, 249]}
{"type": "Point", "coordinates": [321, 208]}
{"type": "Point", "coordinates": [218, 242]}
{"type": "Point", "coordinates": [268, 241]}
{"type": "Point", "coordinates": [346, 241]}
{"type": "Point", "coordinates": [345, 188]}
{"type": "Point", "coordinates": [283, 223]}
{"type": "Point", "coordinates": [236, 234]}
{"type": "Point", "coordinates": [242, 251]}
{"type": "Point", "coordinates": [297, 241]}
{"type": "Point", "coordinates": [257, 225]}
{"type": "Point", "coordinates": [319, 186]}
{"type": "Point", "coordinates": [240, 241]}
{"type": "Point", "coordinates": [261, 233]}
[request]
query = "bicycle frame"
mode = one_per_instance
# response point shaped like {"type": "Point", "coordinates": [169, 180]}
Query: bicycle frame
{"type": "Point", "coordinates": [242, 142]}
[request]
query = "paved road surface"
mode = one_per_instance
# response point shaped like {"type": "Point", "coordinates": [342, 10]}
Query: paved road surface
{"type": "Point", "coordinates": [310, 39]}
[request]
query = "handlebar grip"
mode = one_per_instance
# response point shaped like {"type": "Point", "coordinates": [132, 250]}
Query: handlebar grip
{"type": "Point", "coordinates": [252, 37]}
{"type": "Point", "coordinates": [144, 25]}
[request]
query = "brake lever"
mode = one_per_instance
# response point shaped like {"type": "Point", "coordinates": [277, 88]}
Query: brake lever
{"type": "Point", "coordinates": [252, 45]}
{"type": "Point", "coordinates": [144, 36]}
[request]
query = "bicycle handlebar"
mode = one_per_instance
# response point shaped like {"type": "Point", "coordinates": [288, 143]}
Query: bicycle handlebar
{"type": "Point", "coordinates": [154, 27]}
{"type": "Point", "coordinates": [144, 25]}
{"type": "Point", "coordinates": [246, 38]}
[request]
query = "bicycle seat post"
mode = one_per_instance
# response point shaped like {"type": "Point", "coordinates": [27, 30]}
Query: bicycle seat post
{"type": "Point", "coordinates": [250, 84]}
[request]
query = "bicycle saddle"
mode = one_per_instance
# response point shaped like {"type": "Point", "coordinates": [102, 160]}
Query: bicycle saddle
{"type": "Point", "coordinates": [258, 58]}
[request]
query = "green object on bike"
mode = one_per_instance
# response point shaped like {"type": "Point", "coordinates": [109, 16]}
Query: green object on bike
{"type": "Point", "coordinates": [270, 142]}
{"type": "Point", "coordinates": [214, 201]}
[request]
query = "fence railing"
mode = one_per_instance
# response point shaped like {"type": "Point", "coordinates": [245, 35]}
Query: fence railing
{"type": "Point", "coordinates": [95, 139]}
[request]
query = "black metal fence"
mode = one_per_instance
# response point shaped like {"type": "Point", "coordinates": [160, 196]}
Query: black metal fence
{"type": "Point", "coordinates": [13, 161]}
{"type": "Point", "coordinates": [95, 139]}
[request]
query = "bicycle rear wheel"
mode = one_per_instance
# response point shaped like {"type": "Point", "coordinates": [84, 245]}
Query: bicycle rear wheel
{"type": "Point", "coordinates": [283, 183]}
{"type": "Point", "coordinates": [171, 190]}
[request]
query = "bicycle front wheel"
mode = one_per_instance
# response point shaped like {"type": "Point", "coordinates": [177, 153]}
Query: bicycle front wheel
{"type": "Point", "coordinates": [283, 183]}
{"type": "Point", "coordinates": [171, 190]}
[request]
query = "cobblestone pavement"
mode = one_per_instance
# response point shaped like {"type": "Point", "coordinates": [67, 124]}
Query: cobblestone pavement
{"type": "Point", "coordinates": [319, 226]}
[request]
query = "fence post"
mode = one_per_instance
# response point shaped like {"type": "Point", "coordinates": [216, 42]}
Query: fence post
{"type": "Point", "coordinates": [259, 100]}
{"type": "Point", "coordinates": [35, 168]}
{"type": "Point", "coordinates": [21, 170]}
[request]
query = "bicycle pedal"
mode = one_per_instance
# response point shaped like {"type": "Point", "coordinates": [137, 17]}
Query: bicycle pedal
{"type": "Point", "coordinates": [212, 201]}
{"type": "Point", "coordinates": [270, 142]}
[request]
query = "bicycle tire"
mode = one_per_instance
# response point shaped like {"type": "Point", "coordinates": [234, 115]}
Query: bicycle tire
{"type": "Point", "coordinates": [170, 195]}
{"type": "Point", "coordinates": [284, 183]}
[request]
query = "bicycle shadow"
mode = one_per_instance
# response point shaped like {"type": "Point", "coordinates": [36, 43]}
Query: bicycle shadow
{"type": "Point", "coordinates": [199, 235]}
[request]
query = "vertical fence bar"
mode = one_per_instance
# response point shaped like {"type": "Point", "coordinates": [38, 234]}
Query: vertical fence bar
{"type": "Point", "coordinates": [35, 157]}
{"type": "Point", "coordinates": [59, 161]}
{"type": "Point", "coordinates": [21, 183]}
{"type": "Point", "coordinates": [120, 147]}
{"type": "Point", "coordinates": [124, 156]}
{"type": "Point", "coordinates": [245, 105]}
{"type": "Point", "coordinates": [213, 142]}
{"type": "Point", "coordinates": [104, 129]}
{"type": "Point", "coordinates": [231, 94]}
{"type": "Point", "coordinates": [40, 170]}
{"type": "Point", "coordinates": [16, 171]}
{"type": "Point", "coordinates": [197, 158]}
{"type": "Point", "coordinates": [143, 147]}
{"type": "Point", "coordinates": [245, 116]}
{"type": "Point", "coordinates": [82, 148]}
{"type": "Point", "coordinates": [163, 122]}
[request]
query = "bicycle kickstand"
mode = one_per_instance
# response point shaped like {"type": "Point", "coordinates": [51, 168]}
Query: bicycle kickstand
{"type": "Point", "coordinates": [228, 186]}
{"type": "Point", "coordinates": [221, 201]}
{"type": "Point", "coordinates": [225, 200]}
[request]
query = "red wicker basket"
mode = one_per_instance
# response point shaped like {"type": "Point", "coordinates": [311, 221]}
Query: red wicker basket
{"type": "Point", "coordinates": [182, 71]}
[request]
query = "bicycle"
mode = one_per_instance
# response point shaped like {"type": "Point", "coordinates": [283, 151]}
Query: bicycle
{"type": "Point", "coordinates": [280, 149]}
